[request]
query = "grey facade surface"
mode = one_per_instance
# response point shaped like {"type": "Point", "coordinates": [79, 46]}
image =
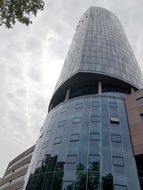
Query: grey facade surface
{"type": "Point", "coordinates": [85, 143]}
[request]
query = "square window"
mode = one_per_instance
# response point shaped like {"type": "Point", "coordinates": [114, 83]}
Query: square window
{"type": "Point", "coordinates": [77, 120]}
{"type": "Point", "coordinates": [116, 138]}
{"type": "Point", "coordinates": [61, 123]}
{"type": "Point", "coordinates": [78, 106]}
{"type": "Point", "coordinates": [94, 136]}
{"type": "Point", "coordinates": [71, 159]}
{"type": "Point", "coordinates": [118, 161]}
{"type": "Point", "coordinates": [74, 137]}
{"type": "Point", "coordinates": [95, 118]}
{"type": "Point", "coordinates": [57, 140]}
{"type": "Point", "coordinates": [120, 187]}
{"type": "Point", "coordinates": [95, 104]}
{"type": "Point", "coordinates": [93, 158]}
{"type": "Point", "coordinates": [112, 104]}
{"type": "Point", "coordinates": [114, 120]}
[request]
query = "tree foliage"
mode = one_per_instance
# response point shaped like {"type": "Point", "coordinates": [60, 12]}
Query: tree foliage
{"type": "Point", "coordinates": [18, 10]}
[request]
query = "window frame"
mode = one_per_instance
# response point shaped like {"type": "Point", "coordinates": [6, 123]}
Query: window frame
{"type": "Point", "coordinates": [61, 123]}
{"type": "Point", "coordinates": [114, 140]}
{"type": "Point", "coordinates": [116, 164]}
{"type": "Point", "coordinates": [96, 139]}
{"type": "Point", "coordinates": [73, 140]}
{"type": "Point", "coordinates": [57, 142]}
{"type": "Point", "coordinates": [64, 109]}
{"type": "Point", "coordinates": [97, 118]}
{"type": "Point", "coordinates": [78, 105]}
{"type": "Point", "coordinates": [74, 120]}
{"type": "Point", "coordinates": [96, 155]}
{"type": "Point", "coordinates": [96, 104]}
{"type": "Point", "coordinates": [113, 105]}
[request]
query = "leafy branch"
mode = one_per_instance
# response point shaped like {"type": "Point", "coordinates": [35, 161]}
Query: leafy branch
{"type": "Point", "coordinates": [18, 10]}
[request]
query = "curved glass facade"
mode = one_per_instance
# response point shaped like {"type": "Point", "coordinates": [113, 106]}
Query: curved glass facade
{"type": "Point", "coordinates": [85, 142]}
{"type": "Point", "coordinates": [101, 46]}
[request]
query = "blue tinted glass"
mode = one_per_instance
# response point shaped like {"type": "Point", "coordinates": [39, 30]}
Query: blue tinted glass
{"type": "Point", "coordinates": [118, 161]}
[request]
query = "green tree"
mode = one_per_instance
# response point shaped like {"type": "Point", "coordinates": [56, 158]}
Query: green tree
{"type": "Point", "coordinates": [18, 10]}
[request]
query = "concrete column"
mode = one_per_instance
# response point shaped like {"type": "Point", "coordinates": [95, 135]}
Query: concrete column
{"type": "Point", "coordinates": [99, 87]}
{"type": "Point", "coordinates": [132, 90]}
{"type": "Point", "coordinates": [67, 94]}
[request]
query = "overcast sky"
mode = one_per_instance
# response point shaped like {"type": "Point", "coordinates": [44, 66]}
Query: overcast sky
{"type": "Point", "coordinates": [31, 59]}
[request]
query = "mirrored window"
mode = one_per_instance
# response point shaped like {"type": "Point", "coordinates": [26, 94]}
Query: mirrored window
{"type": "Point", "coordinates": [118, 161]}
{"type": "Point", "coordinates": [77, 120]}
{"type": "Point", "coordinates": [95, 104]}
{"type": "Point", "coordinates": [95, 118]}
{"type": "Point", "coordinates": [93, 181]}
{"type": "Point", "coordinates": [107, 181]}
{"type": "Point", "coordinates": [112, 104]}
{"type": "Point", "coordinates": [116, 138]}
{"type": "Point", "coordinates": [94, 136]}
{"type": "Point", "coordinates": [57, 140]}
{"type": "Point", "coordinates": [68, 185]}
{"type": "Point", "coordinates": [120, 187]}
{"type": "Point", "coordinates": [80, 181]}
{"type": "Point", "coordinates": [78, 106]}
{"type": "Point", "coordinates": [61, 123]}
{"type": "Point", "coordinates": [93, 158]}
{"type": "Point", "coordinates": [74, 137]}
{"type": "Point", "coordinates": [65, 109]}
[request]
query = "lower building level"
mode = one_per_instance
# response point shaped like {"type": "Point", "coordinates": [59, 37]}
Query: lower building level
{"type": "Point", "coordinates": [85, 144]}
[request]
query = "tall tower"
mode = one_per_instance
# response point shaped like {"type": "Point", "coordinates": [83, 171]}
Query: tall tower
{"type": "Point", "coordinates": [85, 140]}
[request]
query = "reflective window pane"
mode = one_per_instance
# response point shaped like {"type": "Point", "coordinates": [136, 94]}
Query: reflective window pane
{"type": "Point", "coordinates": [107, 182]}
{"type": "Point", "coordinates": [118, 161]}
{"type": "Point", "coordinates": [74, 137]}
{"type": "Point", "coordinates": [93, 181]}
{"type": "Point", "coordinates": [57, 182]}
{"type": "Point", "coordinates": [61, 123]}
{"type": "Point", "coordinates": [94, 136]}
{"type": "Point", "coordinates": [80, 182]}
{"type": "Point", "coordinates": [78, 106]}
{"type": "Point", "coordinates": [95, 104]}
{"type": "Point", "coordinates": [71, 159]}
{"type": "Point", "coordinates": [95, 118]}
{"type": "Point", "coordinates": [77, 120]}
{"type": "Point", "coordinates": [120, 187]}
{"type": "Point", "coordinates": [112, 104]}
{"type": "Point", "coordinates": [68, 185]}
{"type": "Point", "coordinates": [114, 120]}
{"type": "Point", "coordinates": [57, 140]}
{"type": "Point", "coordinates": [116, 138]}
